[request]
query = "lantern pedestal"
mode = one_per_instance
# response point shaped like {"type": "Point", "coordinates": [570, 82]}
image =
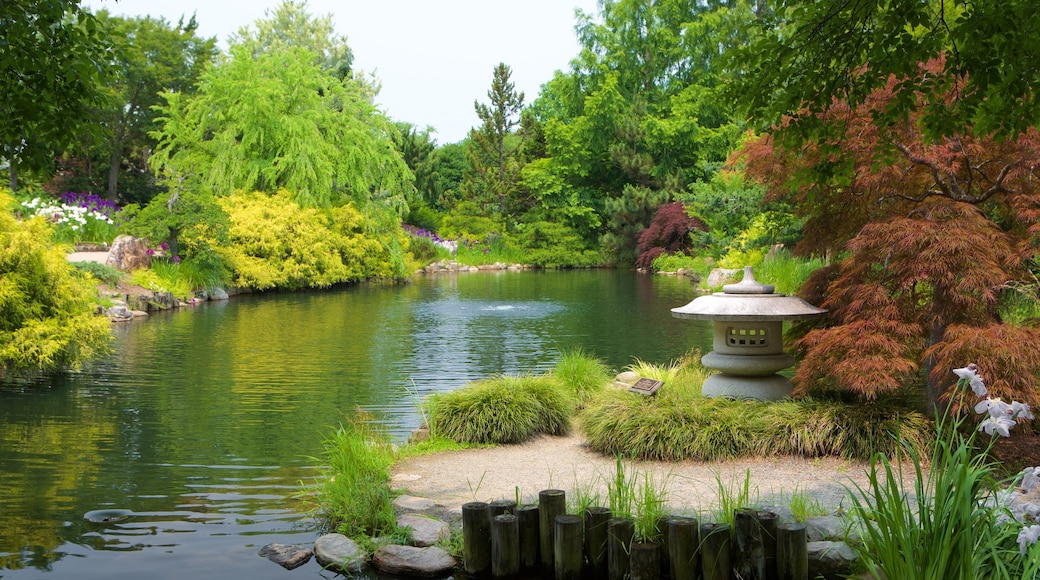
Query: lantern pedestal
{"type": "Point", "coordinates": [771, 388]}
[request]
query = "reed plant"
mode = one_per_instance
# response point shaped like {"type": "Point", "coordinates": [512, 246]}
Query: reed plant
{"type": "Point", "coordinates": [354, 495]}
{"type": "Point", "coordinates": [640, 497]}
{"type": "Point", "coordinates": [733, 496]}
{"type": "Point", "coordinates": [786, 272]}
{"type": "Point", "coordinates": [503, 409]}
{"type": "Point", "coordinates": [582, 373]}
{"type": "Point", "coordinates": [803, 506]}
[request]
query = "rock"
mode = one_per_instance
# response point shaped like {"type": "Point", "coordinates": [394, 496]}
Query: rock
{"type": "Point", "coordinates": [425, 531]}
{"type": "Point", "coordinates": [824, 528]}
{"type": "Point", "coordinates": [120, 313]}
{"type": "Point", "coordinates": [128, 254]}
{"type": "Point", "coordinates": [831, 560]}
{"type": "Point", "coordinates": [411, 503]}
{"type": "Point", "coordinates": [217, 294]}
{"type": "Point", "coordinates": [288, 556]}
{"type": "Point", "coordinates": [339, 552]}
{"type": "Point", "coordinates": [628, 377]}
{"type": "Point", "coordinates": [419, 435]}
{"type": "Point", "coordinates": [412, 561]}
{"type": "Point", "coordinates": [721, 276]}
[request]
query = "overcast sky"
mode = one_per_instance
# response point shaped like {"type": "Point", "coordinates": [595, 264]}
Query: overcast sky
{"type": "Point", "coordinates": [433, 57]}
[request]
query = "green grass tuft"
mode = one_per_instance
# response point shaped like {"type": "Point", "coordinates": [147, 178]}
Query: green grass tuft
{"type": "Point", "coordinates": [582, 374]}
{"type": "Point", "coordinates": [503, 409]}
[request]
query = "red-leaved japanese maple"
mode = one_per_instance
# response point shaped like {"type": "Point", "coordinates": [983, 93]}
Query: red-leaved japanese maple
{"type": "Point", "coordinates": [669, 231]}
{"type": "Point", "coordinates": [933, 232]}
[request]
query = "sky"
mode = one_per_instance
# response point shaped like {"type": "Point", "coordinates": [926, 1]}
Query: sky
{"type": "Point", "coordinates": [434, 58]}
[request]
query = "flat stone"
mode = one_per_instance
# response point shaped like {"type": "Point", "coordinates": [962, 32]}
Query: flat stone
{"type": "Point", "coordinates": [426, 531]}
{"type": "Point", "coordinates": [831, 560]}
{"type": "Point", "coordinates": [413, 504]}
{"type": "Point", "coordinates": [627, 377]}
{"type": "Point", "coordinates": [340, 553]}
{"type": "Point", "coordinates": [820, 528]}
{"type": "Point", "coordinates": [288, 556]}
{"type": "Point", "coordinates": [412, 561]}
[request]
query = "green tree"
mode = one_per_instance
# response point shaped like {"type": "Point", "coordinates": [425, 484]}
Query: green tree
{"type": "Point", "coordinates": [493, 155]}
{"type": "Point", "coordinates": [291, 25]}
{"type": "Point", "coordinates": [278, 121]}
{"type": "Point", "coordinates": [48, 317]}
{"type": "Point", "coordinates": [808, 54]}
{"type": "Point", "coordinates": [52, 59]}
{"type": "Point", "coordinates": [419, 151]}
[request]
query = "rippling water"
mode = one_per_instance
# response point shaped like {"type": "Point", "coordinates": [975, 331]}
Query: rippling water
{"type": "Point", "coordinates": [187, 447]}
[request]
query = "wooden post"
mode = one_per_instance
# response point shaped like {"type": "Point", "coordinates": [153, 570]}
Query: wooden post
{"type": "Point", "coordinates": [567, 547]}
{"type": "Point", "coordinates": [551, 503]}
{"type": "Point", "coordinates": [792, 552]}
{"type": "Point", "coordinates": [645, 561]}
{"type": "Point", "coordinates": [596, 540]}
{"type": "Point", "coordinates": [505, 546]}
{"type": "Point", "coordinates": [476, 538]}
{"type": "Point", "coordinates": [715, 552]}
{"type": "Point", "coordinates": [620, 532]}
{"type": "Point", "coordinates": [768, 522]}
{"type": "Point", "coordinates": [683, 548]}
{"type": "Point", "coordinates": [662, 540]}
{"type": "Point", "coordinates": [502, 506]}
{"type": "Point", "coordinates": [749, 558]}
{"type": "Point", "coordinates": [527, 516]}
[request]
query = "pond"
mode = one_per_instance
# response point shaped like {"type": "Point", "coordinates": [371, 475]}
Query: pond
{"type": "Point", "coordinates": [183, 453]}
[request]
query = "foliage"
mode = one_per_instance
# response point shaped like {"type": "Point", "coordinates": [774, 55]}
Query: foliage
{"type": "Point", "coordinates": [678, 424]}
{"type": "Point", "coordinates": [290, 25]}
{"type": "Point", "coordinates": [284, 124]}
{"type": "Point", "coordinates": [670, 231]}
{"type": "Point", "coordinates": [52, 63]}
{"type": "Point", "coordinates": [504, 409]}
{"type": "Point", "coordinates": [101, 272]}
{"type": "Point", "coordinates": [726, 204]}
{"type": "Point", "coordinates": [553, 245]}
{"type": "Point", "coordinates": [163, 276]}
{"type": "Point", "coordinates": [48, 318]}
{"type": "Point", "coordinates": [468, 221]}
{"type": "Point", "coordinates": [627, 215]}
{"type": "Point", "coordinates": [354, 496]}
{"type": "Point", "coordinates": [804, 56]}
{"type": "Point", "coordinates": [419, 151]}
{"type": "Point", "coordinates": [733, 496]}
{"type": "Point", "coordinates": [785, 272]}
{"type": "Point", "coordinates": [582, 374]}
{"type": "Point", "coordinates": [493, 158]}
{"type": "Point", "coordinates": [274, 243]}
{"type": "Point", "coordinates": [190, 221]}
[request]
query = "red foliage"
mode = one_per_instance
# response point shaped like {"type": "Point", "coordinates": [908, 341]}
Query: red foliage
{"type": "Point", "coordinates": [669, 232]}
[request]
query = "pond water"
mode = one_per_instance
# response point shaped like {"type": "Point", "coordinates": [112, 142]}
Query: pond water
{"type": "Point", "coordinates": [188, 445]}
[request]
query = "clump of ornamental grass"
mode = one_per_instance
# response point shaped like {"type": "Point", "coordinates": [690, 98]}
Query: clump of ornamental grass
{"type": "Point", "coordinates": [582, 374]}
{"type": "Point", "coordinates": [640, 497]}
{"type": "Point", "coordinates": [354, 495]}
{"type": "Point", "coordinates": [503, 409]}
{"type": "Point", "coordinates": [678, 423]}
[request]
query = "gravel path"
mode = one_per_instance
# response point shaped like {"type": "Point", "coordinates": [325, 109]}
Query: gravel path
{"type": "Point", "coordinates": [456, 477]}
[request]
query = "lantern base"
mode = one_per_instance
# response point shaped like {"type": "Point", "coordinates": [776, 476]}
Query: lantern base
{"type": "Point", "coordinates": [768, 388]}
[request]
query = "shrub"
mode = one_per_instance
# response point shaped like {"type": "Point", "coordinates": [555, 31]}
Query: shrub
{"type": "Point", "coordinates": [502, 410]}
{"type": "Point", "coordinates": [668, 232]}
{"type": "Point", "coordinates": [553, 245]}
{"type": "Point", "coordinates": [102, 272]}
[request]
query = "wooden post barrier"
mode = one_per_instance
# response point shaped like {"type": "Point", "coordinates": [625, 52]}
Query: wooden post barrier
{"type": "Point", "coordinates": [596, 540]}
{"type": "Point", "coordinates": [476, 538]}
{"type": "Point", "coordinates": [682, 539]}
{"type": "Point", "coordinates": [567, 542]}
{"type": "Point", "coordinates": [792, 552]}
{"type": "Point", "coordinates": [620, 532]}
{"type": "Point", "coordinates": [768, 522]}
{"type": "Point", "coordinates": [530, 537]}
{"type": "Point", "coordinates": [551, 503]}
{"type": "Point", "coordinates": [645, 561]}
{"type": "Point", "coordinates": [502, 506]}
{"type": "Point", "coordinates": [505, 546]}
{"type": "Point", "coordinates": [715, 552]}
{"type": "Point", "coordinates": [749, 558]}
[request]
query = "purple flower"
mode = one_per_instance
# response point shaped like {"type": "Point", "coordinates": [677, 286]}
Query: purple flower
{"type": "Point", "coordinates": [176, 259]}
{"type": "Point", "coordinates": [150, 252]}
{"type": "Point", "coordinates": [164, 246]}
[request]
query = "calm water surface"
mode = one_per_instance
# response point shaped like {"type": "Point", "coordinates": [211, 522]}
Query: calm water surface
{"type": "Point", "coordinates": [195, 435]}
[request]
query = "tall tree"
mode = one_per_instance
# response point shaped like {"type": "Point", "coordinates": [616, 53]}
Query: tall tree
{"type": "Point", "coordinates": [52, 59]}
{"type": "Point", "coordinates": [494, 162]}
{"type": "Point", "coordinates": [808, 54]}
{"type": "Point", "coordinates": [152, 56]}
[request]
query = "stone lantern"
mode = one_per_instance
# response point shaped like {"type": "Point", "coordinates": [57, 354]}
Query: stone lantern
{"type": "Point", "coordinates": [748, 338]}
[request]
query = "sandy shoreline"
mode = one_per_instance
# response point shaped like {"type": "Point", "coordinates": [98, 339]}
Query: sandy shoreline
{"type": "Point", "coordinates": [453, 478]}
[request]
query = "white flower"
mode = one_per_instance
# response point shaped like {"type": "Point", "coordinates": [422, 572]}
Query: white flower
{"type": "Point", "coordinates": [1028, 535]}
{"type": "Point", "coordinates": [970, 373]}
{"type": "Point", "coordinates": [1030, 478]}
{"type": "Point", "coordinates": [996, 408]}
{"type": "Point", "coordinates": [1001, 425]}
{"type": "Point", "coordinates": [1021, 411]}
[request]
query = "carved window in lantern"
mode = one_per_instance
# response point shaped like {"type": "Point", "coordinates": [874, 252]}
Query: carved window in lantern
{"type": "Point", "coordinates": [753, 337]}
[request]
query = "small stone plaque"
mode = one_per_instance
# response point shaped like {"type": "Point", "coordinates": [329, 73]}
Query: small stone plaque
{"type": "Point", "coordinates": [646, 386]}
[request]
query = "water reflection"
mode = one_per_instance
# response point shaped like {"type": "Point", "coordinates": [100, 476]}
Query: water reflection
{"type": "Point", "coordinates": [203, 424]}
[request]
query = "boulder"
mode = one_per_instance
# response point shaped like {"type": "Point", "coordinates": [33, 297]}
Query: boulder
{"type": "Point", "coordinates": [120, 313]}
{"type": "Point", "coordinates": [824, 528]}
{"type": "Point", "coordinates": [425, 531]}
{"type": "Point", "coordinates": [217, 294]}
{"type": "Point", "coordinates": [410, 503]}
{"type": "Point", "coordinates": [831, 560]}
{"type": "Point", "coordinates": [412, 561]}
{"type": "Point", "coordinates": [721, 276]}
{"type": "Point", "coordinates": [340, 553]}
{"type": "Point", "coordinates": [288, 556]}
{"type": "Point", "coordinates": [128, 254]}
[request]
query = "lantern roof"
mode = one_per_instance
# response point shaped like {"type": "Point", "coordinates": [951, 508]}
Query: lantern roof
{"type": "Point", "coordinates": [747, 301]}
